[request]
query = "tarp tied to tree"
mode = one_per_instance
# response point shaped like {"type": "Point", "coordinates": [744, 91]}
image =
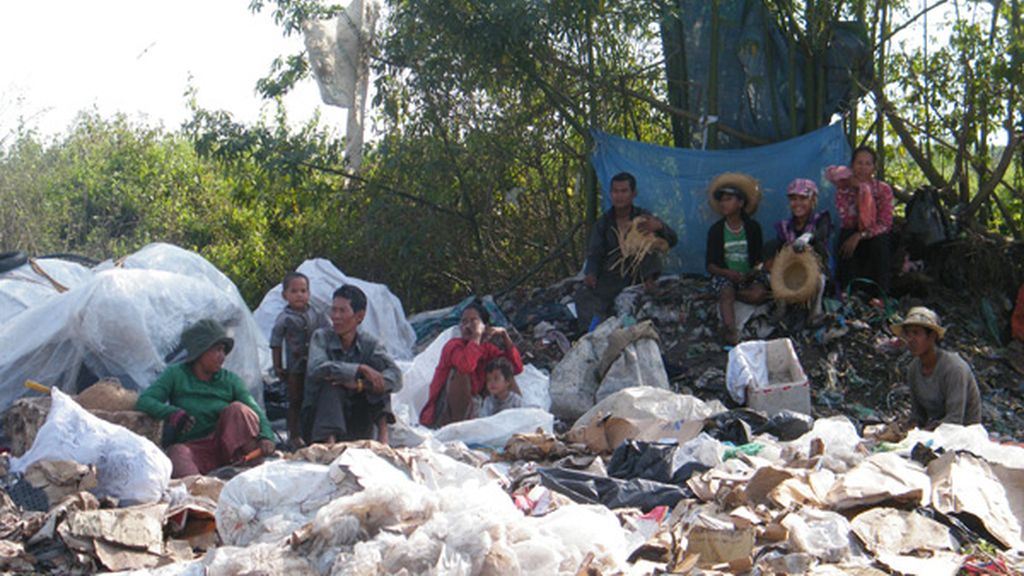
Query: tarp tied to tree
{"type": "Point", "coordinates": [739, 73]}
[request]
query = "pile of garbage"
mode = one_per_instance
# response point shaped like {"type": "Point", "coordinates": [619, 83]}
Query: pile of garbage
{"type": "Point", "coordinates": [648, 481]}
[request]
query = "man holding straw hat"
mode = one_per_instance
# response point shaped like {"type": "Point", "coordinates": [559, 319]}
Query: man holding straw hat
{"type": "Point", "coordinates": [942, 385]}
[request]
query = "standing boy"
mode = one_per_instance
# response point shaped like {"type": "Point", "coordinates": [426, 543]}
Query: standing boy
{"type": "Point", "coordinates": [351, 376]}
{"type": "Point", "coordinates": [293, 328]}
{"type": "Point", "coordinates": [734, 248]}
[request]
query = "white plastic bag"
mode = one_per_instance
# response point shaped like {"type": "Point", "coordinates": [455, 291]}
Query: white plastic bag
{"type": "Point", "coordinates": [272, 500]}
{"type": "Point", "coordinates": [747, 367]}
{"type": "Point", "coordinates": [128, 466]}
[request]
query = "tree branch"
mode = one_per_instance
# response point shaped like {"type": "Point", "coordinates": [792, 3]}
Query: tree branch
{"type": "Point", "coordinates": [907, 139]}
{"type": "Point", "coordinates": [388, 189]}
{"type": "Point", "coordinates": [1012, 141]}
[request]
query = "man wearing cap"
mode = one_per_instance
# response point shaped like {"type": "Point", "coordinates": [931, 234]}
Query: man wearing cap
{"type": "Point", "coordinates": [215, 419]}
{"type": "Point", "coordinates": [602, 281]}
{"type": "Point", "coordinates": [942, 385]}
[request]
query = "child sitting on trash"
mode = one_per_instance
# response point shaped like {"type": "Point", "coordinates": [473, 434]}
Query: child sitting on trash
{"type": "Point", "coordinates": [804, 228]}
{"type": "Point", "coordinates": [289, 345]}
{"type": "Point", "coordinates": [350, 377]}
{"type": "Point", "coordinates": [734, 242]}
{"type": "Point", "coordinates": [500, 388]}
{"type": "Point", "coordinates": [215, 420]}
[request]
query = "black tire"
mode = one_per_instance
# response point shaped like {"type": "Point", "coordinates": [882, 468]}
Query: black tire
{"type": "Point", "coordinates": [12, 260]}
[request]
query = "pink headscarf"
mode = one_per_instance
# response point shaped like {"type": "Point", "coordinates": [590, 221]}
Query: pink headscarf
{"type": "Point", "coordinates": [837, 174]}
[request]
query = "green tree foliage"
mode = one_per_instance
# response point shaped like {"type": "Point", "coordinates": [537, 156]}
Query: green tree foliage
{"type": "Point", "coordinates": [108, 187]}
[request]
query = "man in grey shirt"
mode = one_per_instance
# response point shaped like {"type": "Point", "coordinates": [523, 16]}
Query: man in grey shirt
{"type": "Point", "coordinates": [350, 377]}
{"type": "Point", "coordinates": [942, 385]}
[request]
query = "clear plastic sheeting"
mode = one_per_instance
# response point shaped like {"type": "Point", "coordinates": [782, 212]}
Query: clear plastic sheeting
{"type": "Point", "coordinates": [270, 501]}
{"type": "Point", "coordinates": [23, 287]}
{"type": "Point", "coordinates": [128, 466]}
{"type": "Point", "coordinates": [121, 323]}
{"type": "Point", "coordinates": [170, 258]}
{"type": "Point", "coordinates": [385, 317]}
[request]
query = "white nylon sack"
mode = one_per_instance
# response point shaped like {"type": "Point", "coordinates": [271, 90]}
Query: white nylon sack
{"type": "Point", "coordinates": [495, 431]}
{"type": "Point", "coordinates": [416, 377]}
{"type": "Point", "coordinates": [639, 364]}
{"type": "Point", "coordinates": [270, 501]}
{"type": "Point", "coordinates": [128, 466]}
{"type": "Point", "coordinates": [385, 317]}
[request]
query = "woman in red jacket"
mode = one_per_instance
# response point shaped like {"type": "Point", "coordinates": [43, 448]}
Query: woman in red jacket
{"type": "Point", "coordinates": [460, 377]}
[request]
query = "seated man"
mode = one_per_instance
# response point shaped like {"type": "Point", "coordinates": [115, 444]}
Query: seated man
{"type": "Point", "coordinates": [460, 378]}
{"type": "Point", "coordinates": [603, 280]}
{"type": "Point", "coordinates": [215, 419]}
{"type": "Point", "coordinates": [942, 385]}
{"type": "Point", "coordinates": [350, 376]}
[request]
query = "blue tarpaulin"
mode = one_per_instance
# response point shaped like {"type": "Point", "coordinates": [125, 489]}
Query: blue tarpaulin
{"type": "Point", "coordinates": [672, 182]}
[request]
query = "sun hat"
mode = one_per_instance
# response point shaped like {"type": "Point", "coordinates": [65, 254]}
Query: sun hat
{"type": "Point", "coordinates": [802, 187]}
{"type": "Point", "coordinates": [795, 276]}
{"type": "Point", "coordinates": [202, 336]}
{"type": "Point", "coordinates": [739, 184]}
{"type": "Point", "coordinates": [921, 316]}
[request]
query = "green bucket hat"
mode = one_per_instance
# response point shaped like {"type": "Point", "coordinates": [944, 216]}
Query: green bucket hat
{"type": "Point", "coordinates": [202, 336]}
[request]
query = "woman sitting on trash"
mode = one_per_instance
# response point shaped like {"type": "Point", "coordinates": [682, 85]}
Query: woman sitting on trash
{"type": "Point", "coordinates": [865, 208]}
{"type": "Point", "coordinates": [460, 377]}
{"type": "Point", "coordinates": [216, 422]}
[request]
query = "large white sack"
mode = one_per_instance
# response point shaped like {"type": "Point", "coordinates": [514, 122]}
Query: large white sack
{"type": "Point", "coordinates": [495, 431]}
{"type": "Point", "coordinates": [128, 466]}
{"type": "Point", "coordinates": [121, 323]}
{"type": "Point", "coordinates": [647, 403]}
{"type": "Point", "coordinates": [270, 501]}
{"type": "Point", "coordinates": [23, 287]}
{"type": "Point", "coordinates": [385, 317]}
{"type": "Point", "coordinates": [416, 377]}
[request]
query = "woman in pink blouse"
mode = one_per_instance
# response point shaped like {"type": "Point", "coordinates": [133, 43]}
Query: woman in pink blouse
{"type": "Point", "coordinates": [865, 206]}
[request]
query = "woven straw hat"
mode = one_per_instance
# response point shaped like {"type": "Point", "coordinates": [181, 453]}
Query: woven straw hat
{"type": "Point", "coordinates": [744, 183]}
{"type": "Point", "coordinates": [921, 316]}
{"type": "Point", "coordinates": [795, 276]}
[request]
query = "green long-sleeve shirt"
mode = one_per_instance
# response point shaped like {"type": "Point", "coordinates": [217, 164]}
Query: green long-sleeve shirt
{"type": "Point", "coordinates": [178, 388]}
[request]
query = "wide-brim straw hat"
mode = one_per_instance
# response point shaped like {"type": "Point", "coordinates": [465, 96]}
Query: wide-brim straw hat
{"type": "Point", "coordinates": [921, 316]}
{"type": "Point", "coordinates": [795, 276]}
{"type": "Point", "coordinates": [744, 183]}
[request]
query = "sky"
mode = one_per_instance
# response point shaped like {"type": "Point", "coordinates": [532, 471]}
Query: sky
{"type": "Point", "coordinates": [58, 57]}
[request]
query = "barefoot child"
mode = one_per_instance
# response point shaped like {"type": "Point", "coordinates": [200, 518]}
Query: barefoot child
{"type": "Point", "coordinates": [734, 248]}
{"type": "Point", "coordinates": [501, 388]}
{"type": "Point", "coordinates": [292, 330]}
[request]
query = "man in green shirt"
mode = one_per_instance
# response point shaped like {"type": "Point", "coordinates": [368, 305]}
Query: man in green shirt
{"type": "Point", "coordinates": [215, 419]}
